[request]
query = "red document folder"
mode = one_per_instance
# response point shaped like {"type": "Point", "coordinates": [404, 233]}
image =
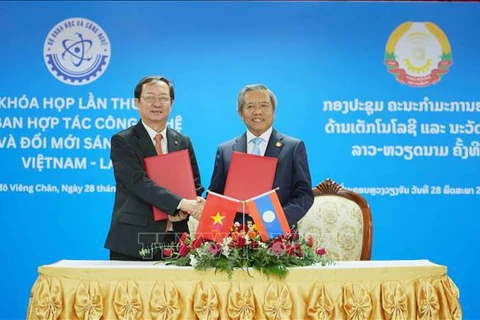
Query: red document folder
{"type": "Point", "coordinates": [249, 175]}
{"type": "Point", "coordinates": [172, 171]}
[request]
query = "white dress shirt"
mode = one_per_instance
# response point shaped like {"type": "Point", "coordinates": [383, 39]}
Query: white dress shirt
{"type": "Point", "coordinates": [263, 145]}
{"type": "Point", "coordinates": [152, 133]}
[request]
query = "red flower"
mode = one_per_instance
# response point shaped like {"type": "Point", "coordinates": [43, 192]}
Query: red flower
{"type": "Point", "coordinates": [321, 251]}
{"type": "Point", "coordinates": [277, 248]}
{"type": "Point", "coordinates": [254, 245]}
{"type": "Point", "coordinates": [290, 250]}
{"type": "Point", "coordinates": [240, 242]}
{"type": "Point", "coordinates": [310, 241]}
{"type": "Point", "coordinates": [197, 243]}
{"type": "Point", "coordinates": [184, 250]}
{"type": "Point", "coordinates": [294, 235]}
{"type": "Point", "coordinates": [299, 252]}
{"type": "Point", "coordinates": [275, 241]}
{"type": "Point", "coordinates": [167, 252]}
{"type": "Point", "coordinates": [214, 248]}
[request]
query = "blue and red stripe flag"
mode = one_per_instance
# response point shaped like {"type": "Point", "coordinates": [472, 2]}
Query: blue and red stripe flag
{"type": "Point", "coordinates": [267, 214]}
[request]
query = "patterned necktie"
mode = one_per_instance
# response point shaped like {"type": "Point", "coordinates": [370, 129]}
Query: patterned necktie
{"type": "Point", "coordinates": [256, 145]}
{"type": "Point", "coordinates": [158, 143]}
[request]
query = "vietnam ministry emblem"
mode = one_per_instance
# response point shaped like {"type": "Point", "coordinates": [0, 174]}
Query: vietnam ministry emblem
{"type": "Point", "coordinates": [418, 54]}
{"type": "Point", "coordinates": [77, 51]}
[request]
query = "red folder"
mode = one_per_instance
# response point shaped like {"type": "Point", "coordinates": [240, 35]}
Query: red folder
{"type": "Point", "coordinates": [249, 175]}
{"type": "Point", "coordinates": [172, 171]}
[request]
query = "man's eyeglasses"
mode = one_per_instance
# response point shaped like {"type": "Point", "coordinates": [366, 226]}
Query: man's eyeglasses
{"type": "Point", "coordinates": [152, 99]}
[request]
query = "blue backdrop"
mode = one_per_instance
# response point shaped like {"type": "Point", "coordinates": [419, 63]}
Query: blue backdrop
{"type": "Point", "coordinates": [68, 70]}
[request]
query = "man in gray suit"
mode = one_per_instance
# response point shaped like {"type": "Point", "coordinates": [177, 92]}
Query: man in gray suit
{"type": "Point", "coordinates": [256, 106]}
{"type": "Point", "coordinates": [132, 222]}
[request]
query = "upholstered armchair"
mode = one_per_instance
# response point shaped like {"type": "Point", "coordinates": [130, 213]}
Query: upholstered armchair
{"type": "Point", "coordinates": [340, 221]}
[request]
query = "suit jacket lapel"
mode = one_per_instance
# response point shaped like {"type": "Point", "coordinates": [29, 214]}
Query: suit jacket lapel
{"type": "Point", "coordinates": [275, 145]}
{"type": "Point", "coordinates": [240, 144]}
{"type": "Point", "coordinates": [173, 141]}
{"type": "Point", "coordinates": [144, 142]}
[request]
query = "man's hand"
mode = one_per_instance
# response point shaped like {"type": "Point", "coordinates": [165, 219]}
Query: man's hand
{"type": "Point", "coordinates": [179, 217]}
{"type": "Point", "coordinates": [200, 204]}
{"type": "Point", "coordinates": [193, 207]}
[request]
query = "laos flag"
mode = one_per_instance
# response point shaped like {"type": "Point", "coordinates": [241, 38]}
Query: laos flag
{"type": "Point", "coordinates": [267, 214]}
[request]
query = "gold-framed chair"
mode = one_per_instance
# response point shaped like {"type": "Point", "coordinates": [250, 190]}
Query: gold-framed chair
{"type": "Point", "coordinates": [340, 220]}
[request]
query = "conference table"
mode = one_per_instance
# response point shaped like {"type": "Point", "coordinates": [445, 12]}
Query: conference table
{"type": "Point", "coordinates": [411, 289]}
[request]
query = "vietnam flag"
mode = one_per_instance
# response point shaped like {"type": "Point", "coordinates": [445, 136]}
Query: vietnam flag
{"type": "Point", "coordinates": [267, 214]}
{"type": "Point", "coordinates": [217, 217]}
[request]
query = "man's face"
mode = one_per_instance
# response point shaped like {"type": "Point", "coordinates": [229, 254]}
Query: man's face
{"type": "Point", "coordinates": [257, 111]}
{"type": "Point", "coordinates": [155, 103]}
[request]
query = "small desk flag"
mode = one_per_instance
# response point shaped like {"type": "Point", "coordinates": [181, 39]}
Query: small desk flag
{"type": "Point", "coordinates": [267, 214]}
{"type": "Point", "coordinates": [217, 217]}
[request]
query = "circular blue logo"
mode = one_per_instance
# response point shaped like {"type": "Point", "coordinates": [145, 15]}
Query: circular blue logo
{"type": "Point", "coordinates": [77, 51]}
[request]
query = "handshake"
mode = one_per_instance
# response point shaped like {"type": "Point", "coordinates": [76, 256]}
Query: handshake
{"type": "Point", "coordinates": [192, 207]}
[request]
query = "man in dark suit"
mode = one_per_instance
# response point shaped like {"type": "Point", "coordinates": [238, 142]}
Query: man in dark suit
{"type": "Point", "coordinates": [256, 106]}
{"type": "Point", "coordinates": [132, 225]}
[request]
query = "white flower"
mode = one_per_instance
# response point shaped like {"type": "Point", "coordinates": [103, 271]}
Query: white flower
{"type": "Point", "coordinates": [226, 251]}
{"type": "Point", "coordinates": [202, 251]}
{"type": "Point", "coordinates": [193, 260]}
{"type": "Point", "coordinates": [227, 241]}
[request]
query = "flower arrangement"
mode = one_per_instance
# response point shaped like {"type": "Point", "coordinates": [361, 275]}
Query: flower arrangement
{"type": "Point", "coordinates": [243, 248]}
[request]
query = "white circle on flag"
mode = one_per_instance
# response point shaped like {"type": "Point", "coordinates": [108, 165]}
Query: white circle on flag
{"type": "Point", "coordinates": [268, 216]}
